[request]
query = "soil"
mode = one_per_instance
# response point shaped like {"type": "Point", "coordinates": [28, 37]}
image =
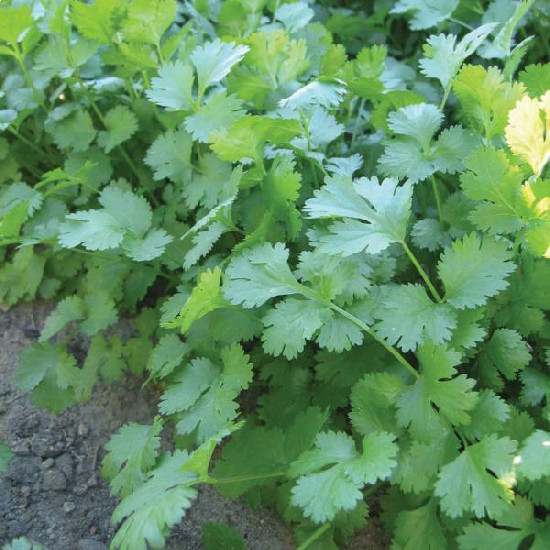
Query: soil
{"type": "Point", "coordinates": [54, 493]}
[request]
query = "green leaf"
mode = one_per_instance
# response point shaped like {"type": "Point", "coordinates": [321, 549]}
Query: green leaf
{"type": "Point", "coordinates": [444, 56]}
{"type": "Point", "coordinates": [408, 318]}
{"type": "Point", "coordinates": [203, 394]}
{"type": "Point", "coordinates": [476, 481]}
{"type": "Point", "coordinates": [97, 20]}
{"type": "Point", "coordinates": [169, 155]}
{"type": "Point", "coordinates": [6, 454]}
{"type": "Point", "coordinates": [214, 60]}
{"type": "Point", "coordinates": [515, 525]}
{"type": "Point", "coordinates": [258, 275]}
{"type": "Point", "coordinates": [294, 16]}
{"type": "Point", "coordinates": [420, 528]}
{"type": "Point", "coordinates": [533, 460]}
{"type": "Point", "coordinates": [486, 98]}
{"type": "Point", "coordinates": [290, 324]}
{"type": "Point", "coordinates": [426, 14]}
{"type": "Point", "coordinates": [131, 452]}
{"type": "Point", "coordinates": [22, 543]}
{"type": "Point", "coordinates": [121, 125]}
{"type": "Point", "coordinates": [330, 476]}
{"type": "Point", "coordinates": [205, 297]}
{"type": "Point", "coordinates": [172, 88]}
{"type": "Point", "coordinates": [505, 353]}
{"type": "Point", "coordinates": [473, 270]}
{"type": "Point", "coordinates": [51, 373]}
{"type": "Point", "coordinates": [375, 214]}
{"type": "Point", "coordinates": [146, 248]}
{"type": "Point", "coordinates": [75, 132]}
{"type": "Point", "coordinates": [156, 506]}
{"type": "Point", "coordinates": [167, 355]}
{"type": "Point", "coordinates": [148, 20]}
{"type": "Point", "coordinates": [217, 536]}
{"type": "Point", "coordinates": [14, 21]}
{"type": "Point", "coordinates": [437, 386]}
{"type": "Point", "coordinates": [68, 310]}
{"type": "Point", "coordinates": [246, 137]}
{"type": "Point", "coordinates": [217, 114]}
{"type": "Point", "coordinates": [536, 78]}
{"type": "Point", "coordinates": [493, 181]}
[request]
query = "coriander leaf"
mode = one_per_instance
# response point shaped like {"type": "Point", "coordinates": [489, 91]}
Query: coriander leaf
{"type": "Point", "coordinates": [528, 132]}
{"type": "Point", "coordinates": [167, 355]}
{"type": "Point", "coordinates": [157, 505]}
{"type": "Point", "coordinates": [473, 270]}
{"type": "Point", "coordinates": [443, 56]}
{"type": "Point", "coordinates": [22, 543]}
{"type": "Point", "coordinates": [294, 16]}
{"type": "Point", "coordinates": [290, 324]}
{"type": "Point", "coordinates": [172, 88]}
{"type": "Point", "coordinates": [204, 394]}
{"type": "Point", "coordinates": [75, 132]}
{"type": "Point", "coordinates": [6, 455]}
{"type": "Point", "coordinates": [218, 113]}
{"type": "Point", "coordinates": [536, 78]}
{"type": "Point", "coordinates": [21, 277]}
{"type": "Point", "coordinates": [491, 179]}
{"type": "Point", "coordinates": [146, 248]}
{"type": "Point", "coordinates": [420, 528]}
{"type": "Point", "coordinates": [505, 353]}
{"type": "Point", "coordinates": [14, 21]}
{"type": "Point", "coordinates": [94, 229]}
{"type": "Point", "coordinates": [121, 125]}
{"type": "Point", "coordinates": [148, 20]}
{"type": "Point", "coordinates": [408, 318]}
{"type": "Point", "coordinates": [417, 155]}
{"type": "Point", "coordinates": [330, 476]}
{"type": "Point", "coordinates": [258, 275]}
{"type": "Point", "coordinates": [131, 452]}
{"type": "Point", "coordinates": [485, 98]}
{"type": "Point", "coordinates": [476, 480]}
{"type": "Point", "coordinates": [170, 154]}
{"type": "Point", "coordinates": [67, 310]}
{"type": "Point", "coordinates": [513, 526]}
{"type": "Point", "coordinates": [436, 386]}
{"type": "Point", "coordinates": [217, 536]}
{"type": "Point", "coordinates": [246, 137]}
{"type": "Point", "coordinates": [131, 211]}
{"type": "Point", "coordinates": [214, 60]}
{"type": "Point", "coordinates": [490, 414]}
{"type": "Point", "coordinates": [426, 13]}
{"type": "Point", "coordinates": [533, 461]}
{"type": "Point", "coordinates": [97, 20]}
{"type": "Point", "coordinates": [203, 241]}
{"type": "Point", "coordinates": [384, 206]}
{"type": "Point", "coordinates": [325, 94]}
{"type": "Point", "coordinates": [205, 297]}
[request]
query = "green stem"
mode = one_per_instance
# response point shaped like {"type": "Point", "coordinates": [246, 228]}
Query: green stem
{"type": "Point", "coordinates": [458, 22]}
{"type": "Point", "coordinates": [314, 536]}
{"type": "Point", "coordinates": [30, 144]}
{"type": "Point", "coordinates": [390, 349]}
{"type": "Point", "coordinates": [356, 125]}
{"type": "Point", "coordinates": [30, 83]}
{"type": "Point", "coordinates": [421, 272]}
{"type": "Point", "coordinates": [240, 479]}
{"type": "Point", "coordinates": [445, 97]}
{"type": "Point", "coordinates": [435, 189]}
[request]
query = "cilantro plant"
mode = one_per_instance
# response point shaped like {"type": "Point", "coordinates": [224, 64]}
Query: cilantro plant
{"type": "Point", "coordinates": [330, 225]}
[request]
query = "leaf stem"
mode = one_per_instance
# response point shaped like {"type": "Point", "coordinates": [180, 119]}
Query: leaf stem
{"type": "Point", "coordinates": [356, 125]}
{"type": "Point", "coordinates": [435, 189]}
{"type": "Point", "coordinates": [421, 272]}
{"type": "Point", "coordinates": [239, 479]}
{"type": "Point", "coordinates": [390, 349]}
{"type": "Point", "coordinates": [445, 97]}
{"type": "Point", "coordinates": [30, 144]}
{"type": "Point", "coordinates": [314, 536]}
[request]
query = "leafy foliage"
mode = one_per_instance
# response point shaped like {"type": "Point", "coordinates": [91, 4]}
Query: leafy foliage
{"type": "Point", "coordinates": [314, 229]}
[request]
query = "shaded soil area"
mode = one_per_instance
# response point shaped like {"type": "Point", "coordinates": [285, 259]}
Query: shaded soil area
{"type": "Point", "coordinates": [54, 493]}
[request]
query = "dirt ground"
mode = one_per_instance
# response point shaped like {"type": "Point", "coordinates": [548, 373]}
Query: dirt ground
{"type": "Point", "coordinates": [54, 493]}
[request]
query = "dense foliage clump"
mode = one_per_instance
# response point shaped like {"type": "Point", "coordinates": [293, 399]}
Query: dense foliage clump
{"type": "Point", "coordinates": [330, 224]}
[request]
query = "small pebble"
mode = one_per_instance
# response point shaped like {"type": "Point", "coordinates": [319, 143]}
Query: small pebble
{"type": "Point", "coordinates": [54, 481]}
{"type": "Point", "coordinates": [80, 490]}
{"type": "Point", "coordinates": [92, 481]}
{"type": "Point", "coordinates": [48, 463]}
{"type": "Point", "coordinates": [82, 429]}
{"type": "Point", "coordinates": [68, 507]}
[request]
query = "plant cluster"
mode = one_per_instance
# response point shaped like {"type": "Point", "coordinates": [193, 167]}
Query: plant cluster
{"type": "Point", "coordinates": [330, 224]}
